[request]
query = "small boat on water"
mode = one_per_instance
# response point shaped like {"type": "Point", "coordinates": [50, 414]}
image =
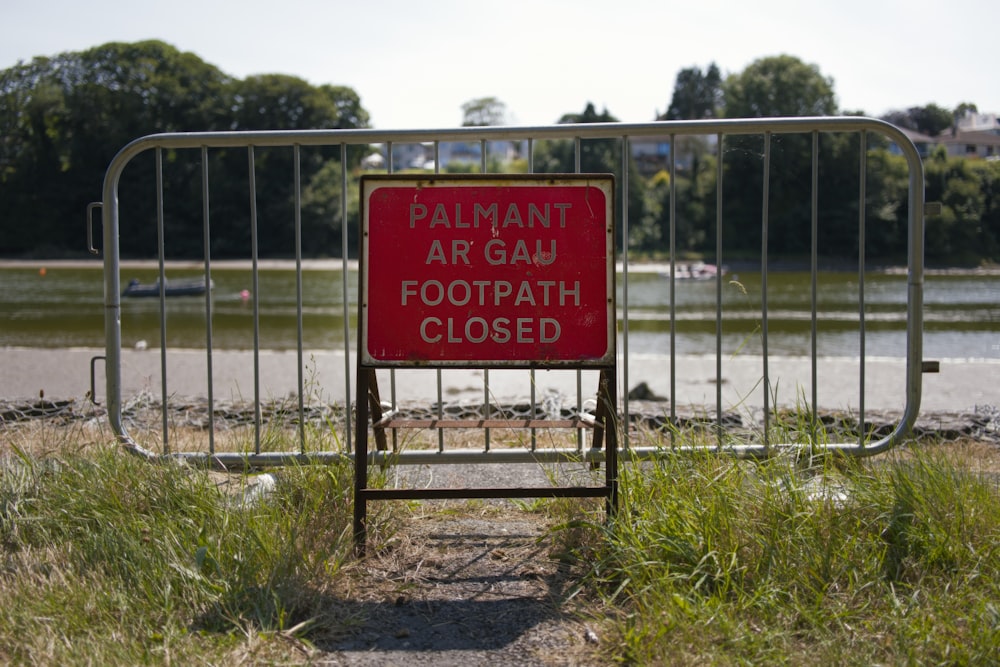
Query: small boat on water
{"type": "Point", "coordinates": [695, 271]}
{"type": "Point", "coordinates": [186, 287]}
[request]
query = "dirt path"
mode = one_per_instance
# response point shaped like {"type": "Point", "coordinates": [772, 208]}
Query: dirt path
{"type": "Point", "coordinates": [464, 590]}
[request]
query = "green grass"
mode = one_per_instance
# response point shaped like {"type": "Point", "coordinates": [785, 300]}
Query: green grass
{"type": "Point", "coordinates": [715, 561]}
{"type": "Point", "coordinates": [107, 559]}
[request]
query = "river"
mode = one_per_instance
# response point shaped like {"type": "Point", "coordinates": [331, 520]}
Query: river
{"type": "Point", "coordinates": [60, 305]}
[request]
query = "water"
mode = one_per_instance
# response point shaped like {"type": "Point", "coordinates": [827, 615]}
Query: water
{"type": "Point", "coordinates": [63, 307]}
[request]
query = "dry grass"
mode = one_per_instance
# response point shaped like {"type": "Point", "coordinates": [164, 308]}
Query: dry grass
{"type": "Point", "coordinates": [710, 559]}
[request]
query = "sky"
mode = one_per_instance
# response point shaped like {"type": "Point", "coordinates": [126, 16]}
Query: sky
{"type": "Point", "coordinates": [414, 63]}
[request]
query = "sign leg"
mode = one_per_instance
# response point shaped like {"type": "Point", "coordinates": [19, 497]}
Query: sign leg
{"type": "Point", "coordinates": [361, 462]}
{"type": "Point", "coordinates": [609, 399]}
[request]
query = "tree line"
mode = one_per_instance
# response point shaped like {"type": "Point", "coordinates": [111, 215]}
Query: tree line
{"type": "Point", "coordinates": [62, 119]}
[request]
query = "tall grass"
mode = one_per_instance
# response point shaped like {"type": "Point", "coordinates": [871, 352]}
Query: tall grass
{"type": "Point", "coordinates": [713, 560]}
{"type": "Point", "coordinates": [107, 559]}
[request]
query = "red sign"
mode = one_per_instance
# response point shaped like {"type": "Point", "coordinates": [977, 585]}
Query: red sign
{"type": "Point", "coordinates": [482, 271]}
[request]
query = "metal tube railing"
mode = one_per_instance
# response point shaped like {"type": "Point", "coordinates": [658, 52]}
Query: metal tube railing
{"type": "Point", "coordinates": [625, 134]}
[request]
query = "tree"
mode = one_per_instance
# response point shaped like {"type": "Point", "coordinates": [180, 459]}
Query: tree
{"type": "Point", "coordinates": [596, 156]}
{"type": "Point", "coordinates": [62, 120]}
{"type": "Point", "coordinates": [696, 95]}
{"type": "Point", "coordinates": [70, 114]}
{"type": "Point", "coordinates": [771, 87]}
{"type": "Point", "coordinates": [967, 228]}
{"type": "Point", "coordinates": [779, 86]}
{"type": "Point", "coordinates": [484, 111]}
{"type": "Point", "coordinates": [929, 119]}
{"type": "Point", "coordinates": [962, 110]}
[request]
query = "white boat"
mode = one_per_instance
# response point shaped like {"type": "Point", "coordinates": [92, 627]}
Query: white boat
{"type": "Point", "coordinates": [694, 271]}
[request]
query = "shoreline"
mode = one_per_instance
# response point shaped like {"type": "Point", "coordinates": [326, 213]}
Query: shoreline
{"type": "Point", "coordinates": [961, 384]}
{"type": "Point", "coordinates": [335, 263]}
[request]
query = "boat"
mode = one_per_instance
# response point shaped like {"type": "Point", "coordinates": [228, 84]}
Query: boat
{"type": "Point", "coordinates": [695, 271]}
{"type": "Point", "coordinates": [185, 287]}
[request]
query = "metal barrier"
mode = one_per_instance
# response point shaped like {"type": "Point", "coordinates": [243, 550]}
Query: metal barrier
{"type": "Point", "coordinates": [758, 442]}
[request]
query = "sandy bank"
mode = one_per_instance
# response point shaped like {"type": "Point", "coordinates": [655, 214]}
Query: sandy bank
{"type": "Point", "coordinates": [65, 373]}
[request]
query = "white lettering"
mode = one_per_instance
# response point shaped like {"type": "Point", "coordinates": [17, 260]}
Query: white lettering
{"type": "Point", "coordinates": [575, 293]}
{"type": "Point", "coordinates": [501, 290]}
{"type": "Point", "coordinates": [501, 334]}
{"type": "Point", "coordinates": [455, 300]}
{"type": "Point", "coordinates": [482, 335]}
{"type": "Point", "coordinates": [477, 330]}
{"type": "Point", "coordinates": [423, 330]}
{"type": "Point", "coordinates": [534, 214]}
{"type": "Point", "coordinates": [495, 251]}
{"type": "Point", "coordinates": [524, 294]}
{"type": "Point", "coordinates": [545, 285]}
{"type": "Point", "coordinates": [488, 213]}
{"type": "Point", "coordinates": [545, 258]}
{"type": "Point", "coordinates": [484, 293]}
{"type": "Point", "coordinates": [460, 250]}
{"type": "Point", "coordinates": [513, 216]}
{"type": "Point", "coordinates": [452, 338]}
{"type": "Point", "coordinates": [562, 208]}
{"type": "Point", "coordinates": [430, 301]}
{"type": "Point", "coordinates": [436, 253]}
{"type": "Point", "coordinates": [417, 212]}
{"type": "Point", "coordinates": [555, 328]}
{"type": "Point", "coordinates": [440, 217]}
{"type": "Point", "coordinates": [524, 330]}
{"type": "Point", "coordinates": [520, 253]}
{"type": "Point", "coordinates": [407, 284]}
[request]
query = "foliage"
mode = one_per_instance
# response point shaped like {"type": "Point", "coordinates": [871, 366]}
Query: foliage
{"type": "Point", "coordinates": [778, 86]}
{"type": "Point", "coordinates": [484, 111]}
{"type": "Point", "coordinates": [597, 156]}
{"type": "Point", "coordinates": [193, 567]}
{"type": "Point", "coordinates": [709, 560]}
{"type": "Point", "coordinates": [714, 561]}
{"type": "Point", "coordinates": [969, 193]}
{"type": "Point", "coordinates": [696, 95]}
{"type": "Point", "coordinates": [63, 119]}
{"type": "Point", "coordinates": [930, 119]}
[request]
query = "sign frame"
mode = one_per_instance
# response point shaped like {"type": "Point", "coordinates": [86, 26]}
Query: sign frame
{"type": "Point", "coordinates": [412, 221]}
{"type": "Point", "coordinates": [369, 407]}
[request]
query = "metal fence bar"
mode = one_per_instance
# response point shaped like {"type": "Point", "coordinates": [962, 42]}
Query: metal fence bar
{"type": "Point", "coordinates": [814, 289]}
{"type": "Point", "coordinates": [719, 173]}
{"type": "Point", "coordinates": [764, 219]}
{"type": "Point", "coordinates": [254, 251]}
{"type": "Point", "coordinates": [625, 135]}
{"type": "Point", "coordinates": [207, 241]}
{"type": "Point", "coordinates": [392, 371]}
{"type": "Point", "coordinates": [438, 373]}
{"type": "Point", "coordinates": [862, 178]}
{"type": "Point", "coordinates": [578, 167]}
{"type": "Point", "coordinates": [672, 287]}
{"type": "Point", "coordinates": [161, 260]}
{"type": "Point", "coordinates": [487, 401]}
{"type": "Point", "coordinates": [297, 177]}
{"type": "Point", "coordinates": [344, 237]}
{"type": "Point", "coordinates": [626, 435]}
